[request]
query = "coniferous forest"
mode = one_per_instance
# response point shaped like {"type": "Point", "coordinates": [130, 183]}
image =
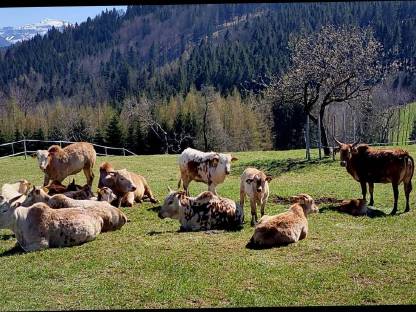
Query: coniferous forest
{"type": "Point", "coordinates": [159, 78]}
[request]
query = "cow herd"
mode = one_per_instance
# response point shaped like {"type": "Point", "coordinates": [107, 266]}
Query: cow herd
{"type": "Point", "coordinates": [55, 215]}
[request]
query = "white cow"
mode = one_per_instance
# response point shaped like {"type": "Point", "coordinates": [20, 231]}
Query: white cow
{"type": "Point", "coordinates": [210, 168]}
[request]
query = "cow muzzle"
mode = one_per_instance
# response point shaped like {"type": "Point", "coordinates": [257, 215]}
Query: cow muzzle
{"type": "Point", "coordinates": [133, 188]}
{"type": "Point", "coordinates": [227, 172]}
{"type": "Point", "coordinates": [259, 190]}
{"type": "Point", "coordinates": [160, 215]}
{"type": "Point", "coordinates": [343, 163]}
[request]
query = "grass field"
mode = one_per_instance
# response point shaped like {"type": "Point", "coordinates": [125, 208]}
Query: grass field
{"type": "Point", "coordinates": [345, 260]}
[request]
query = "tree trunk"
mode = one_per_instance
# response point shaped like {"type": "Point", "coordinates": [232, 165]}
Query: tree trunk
{"type": "Point", "coordinates": [324, 139]}
{"type": "Point", "coordinates": [205, 126]}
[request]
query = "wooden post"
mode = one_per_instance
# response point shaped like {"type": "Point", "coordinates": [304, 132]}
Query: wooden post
{"type": "Point", "coordinates": [60, 144]}
{"type": "Point", "coordinates": [124, 152]}
{"type": "Point", "coordinates": [319, 136]}
{"type": "Point", "coordinates": [408, 124]}
{"type": "Point", "coordinates": [105, 148]}
{"type": "Point", "coordinates": [308, 152]}
{"type": "Point", "coordinates": [24, 146]}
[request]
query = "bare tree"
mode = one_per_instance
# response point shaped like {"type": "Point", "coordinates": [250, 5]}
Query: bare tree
{"type": "Point", "coordinates": [208, 93]}
{"type": "Point", "coordinates": [334, 65]}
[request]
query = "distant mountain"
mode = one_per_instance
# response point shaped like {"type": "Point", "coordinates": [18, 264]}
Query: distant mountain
{"type": "Point", "coordinates": [10, 35]}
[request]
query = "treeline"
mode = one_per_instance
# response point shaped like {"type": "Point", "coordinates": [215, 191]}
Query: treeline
{"type": "Point", "coordinates": [147, 126]}
{"type": "Point", "coordinates": [160, 51]}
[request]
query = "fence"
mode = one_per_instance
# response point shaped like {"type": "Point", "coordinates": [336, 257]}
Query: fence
{"type": "Point", "coordinates": [106, 150]}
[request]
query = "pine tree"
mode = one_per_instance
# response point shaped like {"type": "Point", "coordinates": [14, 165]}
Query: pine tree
{"type": "Point", "coordinates": [114, 134]}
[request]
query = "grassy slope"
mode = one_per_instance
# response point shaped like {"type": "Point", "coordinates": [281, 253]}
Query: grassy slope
{"type": "Point", "coordinates": [344, 261]}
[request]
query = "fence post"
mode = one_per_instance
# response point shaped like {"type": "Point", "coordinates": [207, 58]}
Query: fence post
{"type": "Point", "coordinates": [12, 148]}
{"type": "Point", "coordinates": [24, 146]}
{"type": "Point", "coordinates": [124, 152]}
{"type": "Point", "coordinates": [60, 144]}
{"type": "Point", "coordinates": [105, 148]}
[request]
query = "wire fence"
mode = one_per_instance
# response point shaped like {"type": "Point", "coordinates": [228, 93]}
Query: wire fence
{"type": "Point", "coordinates": [25, 147]}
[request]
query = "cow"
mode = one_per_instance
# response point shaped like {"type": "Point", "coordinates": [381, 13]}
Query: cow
{"type": "Point", "coordinates": [127, 186]}
{"type": "Point", "coordinates": [39, 227]}
{"type": "Point", "coordinates": [369, 165]}
{"type": "Point", "coordinates": [84, 193]}
{"type": "Point", "coordinates": [106, 194]}
{"type": "Point", "coordinates": [210, 168]}
{"type": "Point", "coordinates": [57, 163]}
{"type": "Point", "coordinates": [207, 211]}
{"type": "Point", "coordinates": [11, 190]}
{"type": "Point", "coordinates": [255, 184]}
{"type": "Point", "coordinates": [355, 207]}
{"type": "Point", "coordinates": [113, 217]}
{"type": "Point", "coordinates": [285, 228]}
{"type": "Point", "coordinates": [56, 187]}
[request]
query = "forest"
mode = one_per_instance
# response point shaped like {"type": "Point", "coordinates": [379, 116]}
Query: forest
{"type": "Point", "coordinates": [164, 77]}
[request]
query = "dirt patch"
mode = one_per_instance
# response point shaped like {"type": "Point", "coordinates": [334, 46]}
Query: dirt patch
{"type": "Point", "coordinates": [320, 200]}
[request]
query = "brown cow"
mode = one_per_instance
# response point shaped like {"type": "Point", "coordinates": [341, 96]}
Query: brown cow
{"type": "Point", "coordinates": [57, 163]}
{"type": "Point", "coordinates": [370, 165]}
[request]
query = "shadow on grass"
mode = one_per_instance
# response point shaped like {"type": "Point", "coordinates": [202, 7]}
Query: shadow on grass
{"type": "Point", "coordinates": [278, 167]}
{"type": "Point", "coordinates": [371, 213]}
{"type": "Point", "coordinates": [155, 209]}
{"type": "Point", "coordinates": [16, 250]}
{"type": "Point", "coordinates": [320, 200]}
{"type": "Point", "coordinates": [6, 237]}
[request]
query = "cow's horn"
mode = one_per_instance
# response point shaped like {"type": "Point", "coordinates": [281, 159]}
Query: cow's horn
{"type": "Point", "coordinates": [355, 143]}
{"type": "Point", "coordinates": [169, 189]}
{"type": "Point", "coordinates": [338, 142]}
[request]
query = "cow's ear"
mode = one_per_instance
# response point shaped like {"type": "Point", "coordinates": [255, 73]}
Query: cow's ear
{"type": "Point", "coordinates": [336, 149]}
{"type": "Point", "coordinates": [233, 158]}
{"type": "Point", "coordinates": [249, 181]}
{"type": "Point", "coordinates": [37, 191]}
{"type": "Point", "coordinates": [269, 178]}
{"type": "Point", "coordinates": [214, 160]}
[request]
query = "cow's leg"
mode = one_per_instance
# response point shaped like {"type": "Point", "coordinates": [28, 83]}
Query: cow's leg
{"type": "Point", "coordinates": [89, 175]}
{"type": "Point", "coordinates": [185, 182]}
{"type": "Point", "coordinates": [263, 205]}
{"type": "Point", "coordinates": [242, 198]}
{"type": "Point", "coordinates": [396, 196]}
{"type": "Point", "coordinates": [304, 232]}
{"type": "Point", "coordinates": [364, 189]}
{"type": "Point", "coordinates": [371, 189]}
{"type": "Point", "coordinates": [211, 187]}
{"type": "Point", "coordinates": [46, 180]}
{"type": "Point", "coordinates": [253, 211]}
{"type": "Point", "coordinates": [407, 190]}
{"type": "Point", "coordinates": [128, 199]}
{"type": "Point", "coordinates": [148, 192]}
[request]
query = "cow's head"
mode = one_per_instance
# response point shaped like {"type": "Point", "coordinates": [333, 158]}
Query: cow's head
{"type": "Point", "coordinates": [346, 151]}
{"type": "Point", "coordinates": [122, 180]}
{"type": "Point", "coordinates": [24, 186]}
{"type": "Point", "coordinates": [43, 159]}
{"type": "Point", "coordinates": [306, 201]}
{"type": "Point", "coordinates": [222, 162]}
{"type": "Point", "coordinates": [36, 195]}
{"type": "Point", "coordinates": [106, 194]}
{"type": "Point", "coordinates": [172, 205]}
{"type": "Point", "coordinates": [259, 181]}
{"type": "Point", "coordinates": [7, 209]}
{"type": "Point", "coordinates": [74, 187]}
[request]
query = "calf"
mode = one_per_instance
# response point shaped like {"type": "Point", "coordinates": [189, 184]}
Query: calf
{"type": "Point", "coordinates": [284, 228]}
{"type": "Point", "coordinates": [39, 226]}
{"type": "Point", "coordinates": [370, 165]}
{"type": "Point", "coordinates": [11, 190]}
{"type": "Point", "coordinates": [127, 186]}
{"type": "Point", "coordinates": [84, 193]}
{"type": "Point", "coordinates": [355, 207]}
{"type": "Point", "coordinates": [204, 212]}
{"type": "Point", "coordinates": [106, 194]}
{"type": "Point", "coordinates": [57, 163]}
{"type": "Point", "coordinates": [113, 218]}
{"type": "Point", "coordinates": [56, 187]}
{"type": "Point", "coordinates": [210, 168]}
{"type": "Point", "coordinates": [255, 184]}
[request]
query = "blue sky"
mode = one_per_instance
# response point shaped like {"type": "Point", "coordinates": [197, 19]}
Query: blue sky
{"type": "Point", "coordinates": [23, 16]}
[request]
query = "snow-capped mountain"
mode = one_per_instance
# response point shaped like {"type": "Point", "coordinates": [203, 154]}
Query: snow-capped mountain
{"type": "Point", "coordinates": [11, 35]}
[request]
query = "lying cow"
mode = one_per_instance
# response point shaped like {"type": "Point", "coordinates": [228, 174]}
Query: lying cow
{"type": "Point", "coordinates": [127, 186]}
{"type": "Point", "coordinates": [106, 194]}
{"type": "Point", "coordinates": [56, 187]}
{"type": "Point", "coordinates": [355, 207]}
{"type": "Point", "coordinates": [11, 190]}
{"type": "Point", "coordinates": [84, 193]}
{"type": "Point", "coordinates": [39, 226]}
{"type": "Point", "coordinates": [113, 218]}
{"type": "Point", "coordinates": [370, 165]}
{"type": "Point", "coordinates": [57, 163]}
{"type": "Point", "coordinates": [284, 228]}
{"type": "Point", "coordinates": [204, 212]}
{"type": "Point", "coordinates": [210, 168]}
{"type": "Point", "coordinates": [255, 184]}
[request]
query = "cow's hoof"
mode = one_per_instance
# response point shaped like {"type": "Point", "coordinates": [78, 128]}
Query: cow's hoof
{"type": "Point", "coordinates": [393, 212]}
{"type": "Point", "coordinates": [407, 210]}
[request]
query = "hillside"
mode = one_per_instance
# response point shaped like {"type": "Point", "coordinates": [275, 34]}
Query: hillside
{"type": "Point", "coordinates": [163, 50]}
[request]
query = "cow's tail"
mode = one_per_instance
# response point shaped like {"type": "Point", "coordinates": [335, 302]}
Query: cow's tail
{"type": "Point", "coordinates": [411, 168]}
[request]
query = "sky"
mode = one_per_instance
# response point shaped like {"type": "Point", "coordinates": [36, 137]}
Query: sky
{"type": "Point", "coordinates": [29, 15]}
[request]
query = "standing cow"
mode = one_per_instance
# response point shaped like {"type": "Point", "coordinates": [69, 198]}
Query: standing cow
{"type": "Point", "coordinates": [57, 163]}
{"type": "Point", "coordinates": [210, 168]}
{"type": "Point", "coordinates": [370, 165]}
